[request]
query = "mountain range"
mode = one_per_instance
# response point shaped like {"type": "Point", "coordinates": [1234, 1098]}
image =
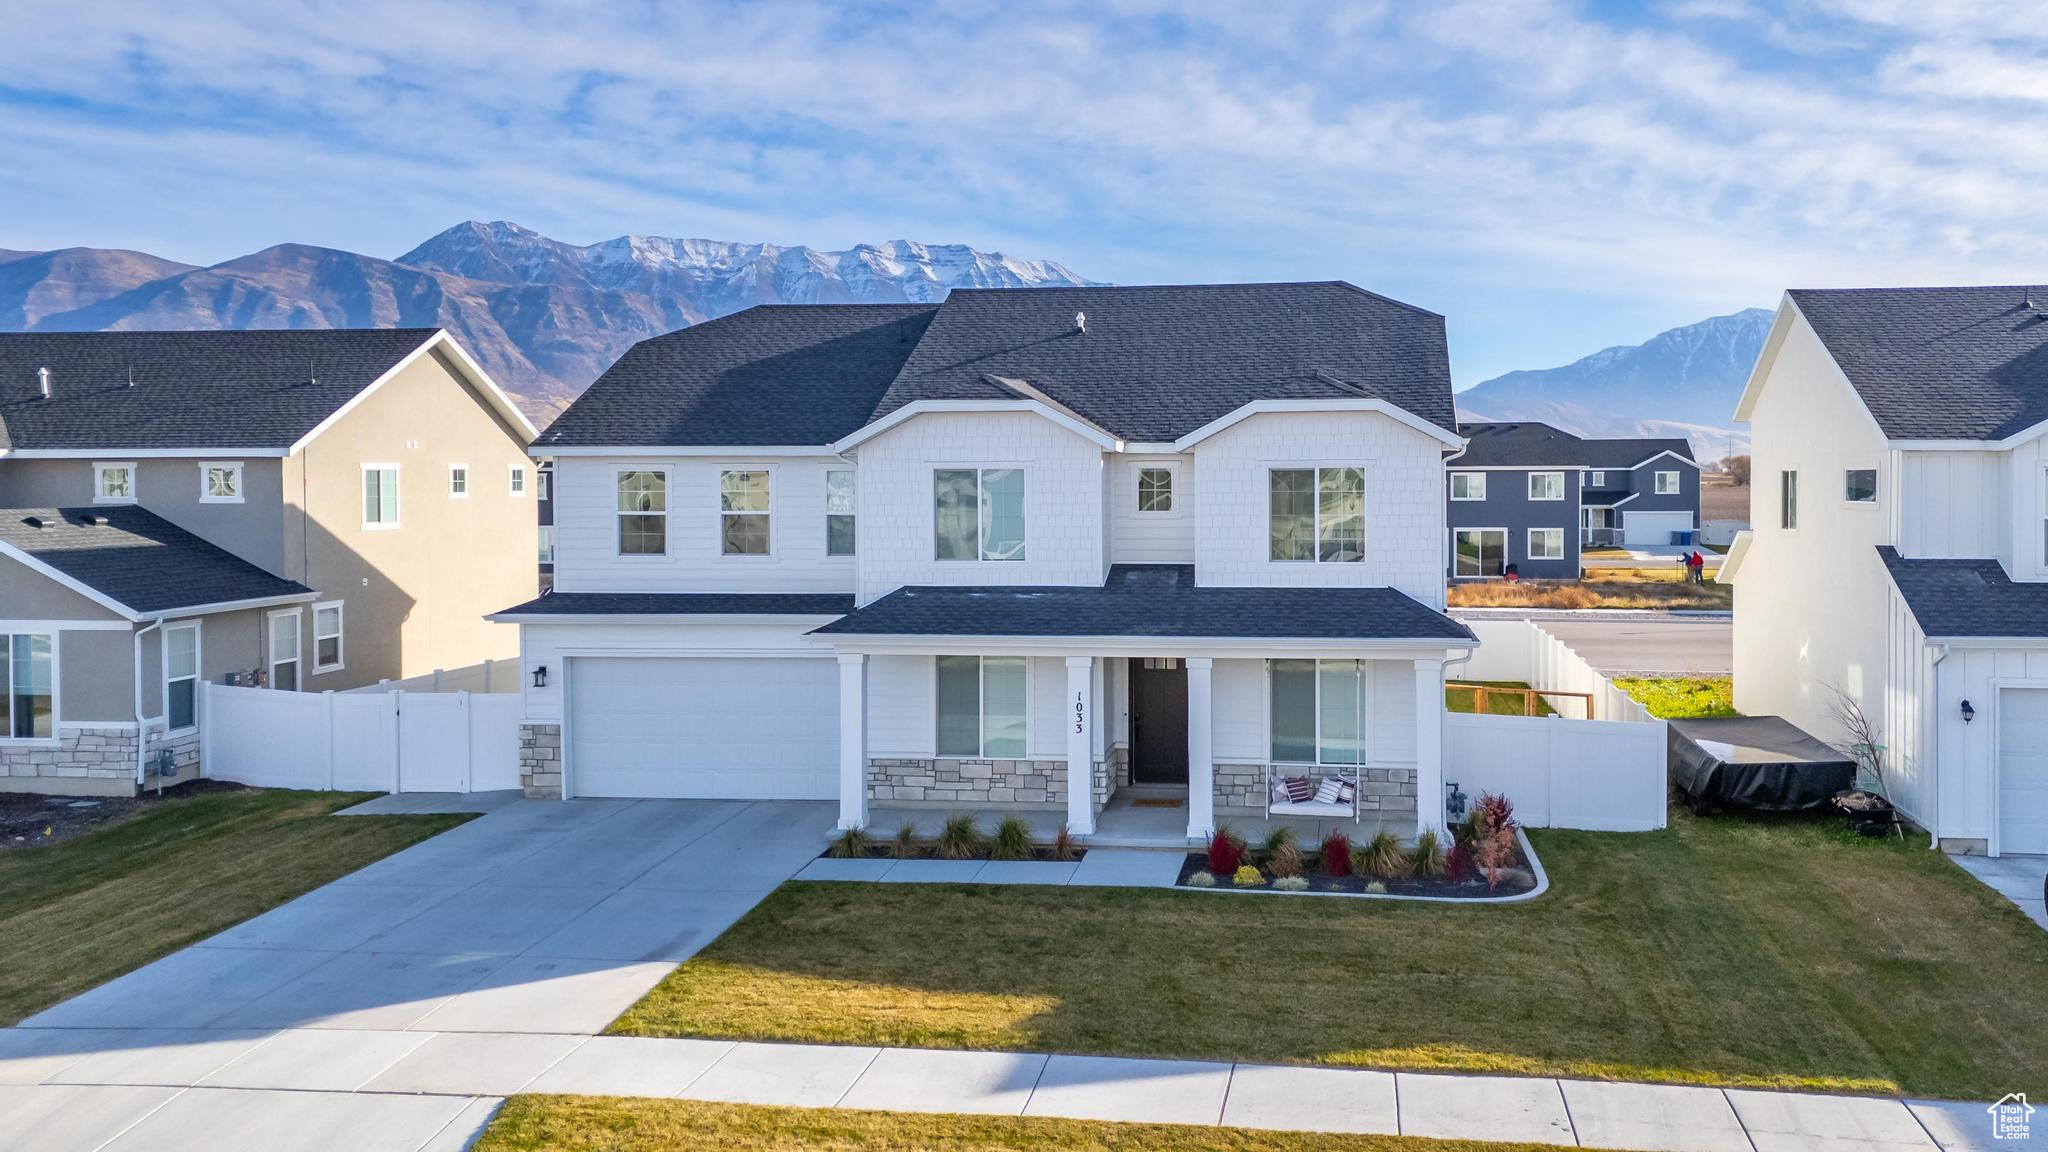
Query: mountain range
{"type": "Point", "coordinates": [545, 318]}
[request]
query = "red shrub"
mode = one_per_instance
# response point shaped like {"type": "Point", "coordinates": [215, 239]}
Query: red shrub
{"type": "Point", "coordinates": [1226, 852]}
{"type": "Point", "coordinates": [1496, 811]}
{"type": "Point", "coordinates": [1337, 854]}
{"type": "Point", "coordinates": [1458, 864]}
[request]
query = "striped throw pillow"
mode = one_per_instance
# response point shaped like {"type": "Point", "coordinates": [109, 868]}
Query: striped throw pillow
{"type": "Point", "coordinates": [1299, 789]}
{"type": "Point", "coordinates": [1330, 789]}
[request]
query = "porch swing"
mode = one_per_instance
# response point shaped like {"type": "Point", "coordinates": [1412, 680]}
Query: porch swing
{"type": "Point", "coordinates": [1332, 796]}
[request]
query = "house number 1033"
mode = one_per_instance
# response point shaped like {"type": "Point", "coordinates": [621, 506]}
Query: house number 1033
{"type": "Point", "coordinates": [1080, 713]}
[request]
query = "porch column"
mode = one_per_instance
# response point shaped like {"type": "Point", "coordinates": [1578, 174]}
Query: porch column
{"type": "Point", "coordinates": [853, 740]}
{"type": "Point", "coordinates": [1429, 746]}
{"type": "Point", "coordinates": [1080, 724]}
{"type": "Point", "coordinates": [1201, 764]}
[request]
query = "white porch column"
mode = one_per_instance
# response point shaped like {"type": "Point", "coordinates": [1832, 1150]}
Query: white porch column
{"type": "Point", "coordinates": [1429, 746]}
{"type": "Point", "coordinates": [1201, 763]}
{"type": "Point", "coordinates": [853, 740]}
{"type": "Point", "coordinates": [1080, 724]}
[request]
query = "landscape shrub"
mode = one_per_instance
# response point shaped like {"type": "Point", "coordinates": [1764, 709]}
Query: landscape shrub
{"type": "Point", "coordinates": [904, 846]}
{"type": "Point", "coordinates": [959, 839]}
{"type": "Point", "coordinates": [1458, 863]}
{"type": "Point", "coordinates": [1013, 840]}
{"type": "Point", "coordinates": [1285, 860]}
{"type": "Point", "coordinates": [1063, 846]}
{"type": "Point", "coordinates": [1201, 880]}
{"type": "Point", "coordinates": [852, 844]}
{"type": "Point", "coordinates": [1247, 876]}
{"type": "Point", "coordinates": [1337, 854]}
{"type": "Point", "coordinates": [1427, 858]}
{"type": "Point", "coordinates": [1291, 884]}
{"type": "Point", "coordinates": [1225, 852]}
{"type": "Point", "coordinates": [1384, 858]}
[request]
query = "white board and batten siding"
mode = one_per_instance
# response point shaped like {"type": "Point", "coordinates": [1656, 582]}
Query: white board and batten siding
{"type": "Point", "coordinates": [1987, 784]}
{"type": "Point", "coordinates": [385, 742]}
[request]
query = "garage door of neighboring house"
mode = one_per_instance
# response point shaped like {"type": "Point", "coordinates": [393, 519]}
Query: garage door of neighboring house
{"type": "Point", "coordinates": [2023, 770]}
{"type": "Point", "coordinates": [739, 728]}
{"type": "Point", "coordinates": [1648, 529]}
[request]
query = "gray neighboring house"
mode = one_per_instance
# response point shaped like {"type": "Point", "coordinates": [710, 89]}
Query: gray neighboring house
{"type": "Point", "coordinates": [302, 510]}
{"type": "Point", "coordinates": [1533, 496]}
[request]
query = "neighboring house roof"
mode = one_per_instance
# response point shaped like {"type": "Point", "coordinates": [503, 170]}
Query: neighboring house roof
{"type": "Point", "coordinates": [141, 391]}
{"type": "Point", "coordinates": [136, 563]}
{"type": "Point", "coordinates": [557, 604]}
{"type": "Point", "coordinates": [1532, 444]}
{"type": "Point", "coordinates": [1939, 363]}
{"type": "Point", "coordinates": [1151, 600]}
{"type": "Point", "coordinates": [1154, 363]}
{"type": "Point", "coordinates": [1968, 598]}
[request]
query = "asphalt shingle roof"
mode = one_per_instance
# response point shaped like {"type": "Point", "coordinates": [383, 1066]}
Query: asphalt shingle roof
{"type": "Point", "coordinates": [1956, 598]}
{"type": "Point", "coordinates": [1533, 444]}
{"type": "Point", "coordinates": [1154, 364]}
{"type": "Point", "coordinates": [1939, 363]}
{"type": "Point", "coordinates": [139, 559]}
{"type": "Point", "coordinates": [1151, 600]}
{"type": "Point", "coordinates": [684, 604]}
{"type": "Point", "coordinates": [252, 389]}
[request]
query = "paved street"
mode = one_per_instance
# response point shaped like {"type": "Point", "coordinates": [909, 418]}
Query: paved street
{"type": "Point", "coordinates": [1639, 643]}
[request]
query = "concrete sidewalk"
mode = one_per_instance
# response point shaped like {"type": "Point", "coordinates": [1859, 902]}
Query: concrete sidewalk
{"type": "Point", "coordinates": [301, 1090]}
{"type": "Point", "coordinates": [2019, 879]}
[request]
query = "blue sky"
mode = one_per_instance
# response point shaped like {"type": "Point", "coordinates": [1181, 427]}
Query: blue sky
{"type": "Point", "coordinates": [1553, 177]}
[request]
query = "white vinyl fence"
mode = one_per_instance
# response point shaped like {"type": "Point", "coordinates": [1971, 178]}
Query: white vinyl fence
{"type": "Point", "coordinates": [1604, 774]}
{"type": "Point", "coordinates": [392, 741]}
{"type": "Point", "coordinates": [489, 676]}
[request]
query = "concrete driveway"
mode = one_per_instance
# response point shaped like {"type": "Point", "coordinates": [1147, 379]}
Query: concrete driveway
{"type": "Point", "coordinates": [542, 918]}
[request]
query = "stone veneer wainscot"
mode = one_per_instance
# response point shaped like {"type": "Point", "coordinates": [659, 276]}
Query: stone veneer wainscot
{"type": "Point", "coordinates": [540, 760]}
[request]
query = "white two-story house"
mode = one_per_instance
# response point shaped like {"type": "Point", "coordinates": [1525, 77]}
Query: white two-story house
{"type": "Point", "coordinates": [1900, 554]}
{"type": "Point", "coordinates": [1017, 550]}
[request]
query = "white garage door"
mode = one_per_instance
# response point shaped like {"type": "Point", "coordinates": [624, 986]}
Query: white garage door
{"type": "Point", "coordinates": [1649, 529]}
{"type": "Point", "coordinates": [2022, 770]}
{"type": "Point", "coordinates": [704, 728]}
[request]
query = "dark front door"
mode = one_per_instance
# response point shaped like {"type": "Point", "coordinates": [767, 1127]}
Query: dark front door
{"type": "Point", "coordinates": [1159, 723]}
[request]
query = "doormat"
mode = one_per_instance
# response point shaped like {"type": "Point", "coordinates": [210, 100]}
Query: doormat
{"type": "Point", "coordinates": [1154, 802]}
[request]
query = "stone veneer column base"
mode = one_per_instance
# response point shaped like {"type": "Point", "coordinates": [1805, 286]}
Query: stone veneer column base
{"type": "Point", "coordinates": [540, 760]}
{"type": "Point", "coordinates": [961, 783]}
{"type": "Point", "coordinates": [1241, 787]}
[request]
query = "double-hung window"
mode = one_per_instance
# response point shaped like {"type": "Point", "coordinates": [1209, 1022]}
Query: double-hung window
{"type": "Point", "coordinates": [1316, 514]}
{"type": "Point", "coordinates": [547, 543]}
{"type": "Point", "coordinates": [28, 704]}
{"type": "Point", "coordinates": [1667, 484]}
{"type": "Point", "coordinates": [544, 484]}
{"type": "Point", "coordinates": [1321, 711]}
{"type": "Point", "coordinates": [1546, 485]}
{"type": "Point", "coordinates": [839, 512]}
{"type": "Point", "coordinates": [181, 677]}
{"type": "Point", "coordinates": [1546, 543]}
{"type": "Point", "coordinates": [1468, 485]}
{"type": "Point", "coordinates": [978, 513]}
{"type": "Point", "coordinates": [380, 495]}
{"type": "Point", "coordinates": [1859, 486]}
{"type": "Point", "coordinates": [327, 654]}
{"type": "Point", "coordinates": [284, 650]}
{"type": "Point", "coordinates": [1788, 501]}
{"type": "Point", "coordinates": [1155, 489]}
{"type": "Point", "coordinates": [981, 706]}
{"type": "Point", "coordinates": [220, 482]}
{"type": "Point", "coordinates": [643, 513]}
{"type": "Point", "coordinates": [743, 513]}
{"type": "Point", "coordinates": [113, 483]}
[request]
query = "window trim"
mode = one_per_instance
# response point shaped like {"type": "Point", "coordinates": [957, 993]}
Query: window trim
{"type": "Point", "coordinates": [198, 664]}
{"type": "Point", "coordinates": [1596, 478]}
{"type": "Point", "coordinates": [981, 660]}
{"type": "Point", "coordinates": [1173, 504]}
{"type": "Point", "coordinates": [1657, 483]}
{"type": "Point", "coordinates": [1854, 503]}
{"type": "Point", "coordinates": [55, 738]}
{"type": "Point", "coordinates": [718, 500]}
{"type": "Point", "coordinates": [101, 468]}
{"type": "Point", "coordinates": [1316, 523]}
{"type": "Point", "coordinates": [1366, 760]}
{"type": "Point", "coordinates": [1506, 539]}
{"type": "Point", "coordinates": [829, 513]}
{"type": "Point", "coordinates": [618, 529]}
{"type": "Point", "coordinates": [458, 474]}
{"type": "Point", "coordinates": [397, 506]}
{"type": "Point", "coordinates": [981, 555]}
{"type": "Point", "coordinates": [1468, 497]}
{"type": "Point", "coordinates": [340, 636]}
{"type": "Point", "coordinates": [1788, 500]}
{"type": "Point", "coordinates": [1529, 544]}
{"type": "Point", "coordinates": [270, 660]}
{"type": "Point", "coordinates": [546, 545]}
{"type": "Point", "coordinates": [240, 474]}
{"type": "Point", "coordinates": [1561, 486]}
{"type": "Point", "coordinates": [515, 481]}
{"type": "Point", "coordinates": [544, 483]}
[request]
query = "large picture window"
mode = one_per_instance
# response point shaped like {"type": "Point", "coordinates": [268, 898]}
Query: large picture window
{"type": "Point", "coordinates": [28, 706]}
{"type": "Point", "coordinates": [978, 513]}
{"type": "Point", "coordinates": [1321, 711]}
{"type": "Point", "coordinates": [981, 706]}
{"type": "Point", "coordinates": [1316, 515]}
{"type": "Point", "coordinates": [743, 513]}
{"type": "Point", "coordinates": [181, 677]}
{"type": "Point", "coordinates": [643, 513]}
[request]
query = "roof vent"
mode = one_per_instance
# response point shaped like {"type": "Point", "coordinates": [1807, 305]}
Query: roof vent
{"type": "Point", "coordinates": [2035, 306]}
{"type": "Point", "coordinates": [1081, 322]}
{"type": "Point", "coordinates": [43, 381]}
{"type": "Point", "coordinates": [96, 519]}
{"type": "Point", "coordinates": [38, 521]}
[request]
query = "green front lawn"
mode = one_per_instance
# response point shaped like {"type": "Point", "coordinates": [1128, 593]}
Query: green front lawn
{"type": "Point", "coordinates": [610, 1124]}
{"type": "Point", "coordinates": [1725, 951]}
{"type": "Point", "coordinates": [1683, 697]}
{"type": "Point", "coordinates": [80, 912]}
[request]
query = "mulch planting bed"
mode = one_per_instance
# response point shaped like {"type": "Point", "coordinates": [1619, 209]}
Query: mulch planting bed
{"type": "Point", "coordinates": [888, 852]}
{"type": "Point", "coordinates": [1517, 878]}
{"type": "Point", "coordinates": [29, 819]}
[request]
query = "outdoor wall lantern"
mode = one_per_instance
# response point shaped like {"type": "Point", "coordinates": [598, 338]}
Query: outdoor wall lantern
{"type": "Point", "coordinates": [1969, 713]}
{"type": "Point", "coordinates": [1454, 804]}
{"type": "Point", "coordinates": [540, 676]}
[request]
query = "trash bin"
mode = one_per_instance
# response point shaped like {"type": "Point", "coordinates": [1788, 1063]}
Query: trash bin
{"type": "Point", "coordinates": [1682, 539]}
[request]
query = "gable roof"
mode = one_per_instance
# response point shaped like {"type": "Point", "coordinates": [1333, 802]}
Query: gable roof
{"type": "Point", "coordinates": [137, 564]}
{"type": "Point", "coordinates": [1154, 364]}
{"type": "Point", "coordinates": [1938, 363]}
{"type": "Point", "coordinates": [1967, 598]}
{"type": "Point", "coordinates": [1529, 443]}
{"type": "Point", "coordinates": [191, 390]}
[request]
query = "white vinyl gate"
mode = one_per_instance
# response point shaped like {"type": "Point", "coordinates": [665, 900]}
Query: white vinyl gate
{"type": "Point", "coordinates": [381, 742]}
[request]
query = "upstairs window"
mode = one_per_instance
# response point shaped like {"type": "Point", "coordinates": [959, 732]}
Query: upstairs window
{"type": "Point", "coordinates": [380, 495]}
{"type": "Point", "coordinates": [1316, 515]}
{"type": "Point", "coordinates": [1859, 485]}
{"type": "Point", "coordinates": [839, 514]}
{"type": "Point", "coordinates": [1788, 501]}
{"type": "Point", "coordinates": [458, 481]}
{"type": "Point", "coordinates": [28, 694]}
{"type": "Point", "coordinates": [516, 482]}
{"type": "Point", "coordinates": [546, 485]}
{"type": "Point", "coordinates": [1667, 484]}
{"type": "Point", "coordinates": [978, 513]}
{"type": "Point", "coordinates": [113, 483]}
{"type": "Point", "coordinates": [981, 706]}
{"type": "Point", "coordinates": [743, 513]}
{"type": "Point", "coordinates": [547, 543]}
{"type": "Point", "coordinates": [1596, 479]}
{"type": "Point", "coordinates": [643, 513]}
{"type": "Point", "coordinates": [1546, 485]}
{"type": "Point", "coordinates": [1468, 485]}
{"type": "Point", "coordinates": [220, 482]}
{"type": "Point", "coordinates": [1155, 489]}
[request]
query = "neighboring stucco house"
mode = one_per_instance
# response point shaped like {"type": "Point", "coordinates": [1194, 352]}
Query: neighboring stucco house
{"type": "Point", "coordinates": [1900, 553]}
{"type": "Point", "coordinates": [1532, 496]}
{"type": "Point", "coordinates": [306, 510]}
{"type": "Point", "coordinates": [1017, 550]}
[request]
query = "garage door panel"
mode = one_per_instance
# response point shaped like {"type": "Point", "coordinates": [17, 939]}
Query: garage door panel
{"type": "Point", "coordinates": [704, 727]}
{"type": "Point", "coordinates": [2023, 770]}
{"type": "Point", "coordinates": [1653, 529]}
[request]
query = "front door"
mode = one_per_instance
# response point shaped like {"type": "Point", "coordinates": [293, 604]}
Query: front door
{"type": "Point", "coordinates": [1159, 722]}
